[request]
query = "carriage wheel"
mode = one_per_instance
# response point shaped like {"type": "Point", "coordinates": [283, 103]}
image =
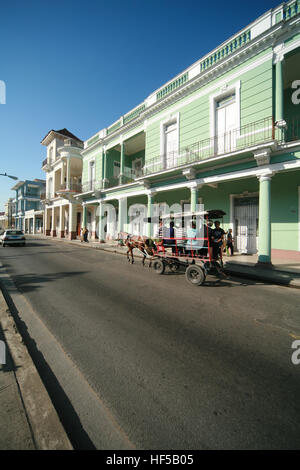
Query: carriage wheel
{"type": "Point", "coordinates": [174, 266]}
{"type": "Point", "coordinates": [158, 266]}
{"type": "Point", "coordinates": [195, 275]}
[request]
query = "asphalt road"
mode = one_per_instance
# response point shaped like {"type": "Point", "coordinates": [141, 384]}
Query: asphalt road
{"type": "Point", "coordinates": [158, 363]}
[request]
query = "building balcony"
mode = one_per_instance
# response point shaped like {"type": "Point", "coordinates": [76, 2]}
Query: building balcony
{"type": "Point", "coordinates": [246, 137]}
{"type": "Point", "coordinates": [50, 195]}
{"type": "Point", "coordinates": [46, 166]}
{"type": "Point", "coordinates": [69, 188]}
{"type": "Point", "coordinates": [32, 197]}
{"type": "Point", "coordinates": [91, 186]}
{"type": "Point", "coordinates": [73, 143]}
{"type": "Point", "coordinates": [238, 139]}
{"type": "Point", "coordinates": [128, 177]}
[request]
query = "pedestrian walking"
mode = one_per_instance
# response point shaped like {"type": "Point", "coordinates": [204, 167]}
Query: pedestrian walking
{"type": "Point", "coordinates": [229, 242]}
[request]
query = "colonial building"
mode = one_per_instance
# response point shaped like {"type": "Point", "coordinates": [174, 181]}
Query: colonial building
{"type": "Point", "coordinates": [3, 221]}
{"type": "Point", "coordinates": [10, 209]}
{"type": "Point", "coordinates": [6, 218]}
{"type": "Point", "coordinates": [224, 132]}
{"type": "Point", "coordinates": [29, 211]}
{"type": "Point", "coordinates": [63, 167]}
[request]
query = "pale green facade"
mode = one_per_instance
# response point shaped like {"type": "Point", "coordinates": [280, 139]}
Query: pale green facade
{"type": "Point", "coordinates": [225, 132]}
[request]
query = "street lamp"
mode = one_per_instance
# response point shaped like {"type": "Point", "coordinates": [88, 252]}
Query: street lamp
{"type": "Point", "coordinates": [9, 176]}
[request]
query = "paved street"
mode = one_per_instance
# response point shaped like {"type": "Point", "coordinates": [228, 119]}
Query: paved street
{"type": "Point", "coordinates": [137, 360]}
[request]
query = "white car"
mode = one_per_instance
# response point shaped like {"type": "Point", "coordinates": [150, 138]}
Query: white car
{"type": "Point", "coordinates": [12, 237]}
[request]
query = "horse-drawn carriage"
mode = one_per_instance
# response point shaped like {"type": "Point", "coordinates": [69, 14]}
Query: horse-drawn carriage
{"type": "Point", "coordinates": [195, 251]}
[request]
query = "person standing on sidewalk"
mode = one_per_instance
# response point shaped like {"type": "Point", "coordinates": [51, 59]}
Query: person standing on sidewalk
{"type": "Point", "coordinates": [229, 242]}
{"type": "Point", "coordinates": [85, 235]}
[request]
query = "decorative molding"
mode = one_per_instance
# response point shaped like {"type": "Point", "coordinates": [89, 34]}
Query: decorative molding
{"type": "Point", "coordinates": [266, 176]}
{"type": "Point", "coordinates": [147, 184]}
{"type": "Point", "coordinates": [151, 192]}
{"type": "Point", "coordinates": [281, 124]}
{"type": "Point", "coordinates": [278, 53]}
{"type": "Point", "coordinates": [189, 173]}
{"type": "Point", "coordinates": [262, 156]}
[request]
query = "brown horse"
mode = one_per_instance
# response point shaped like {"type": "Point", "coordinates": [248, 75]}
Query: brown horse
{"type": "Point", "coordinates": [143, 244]}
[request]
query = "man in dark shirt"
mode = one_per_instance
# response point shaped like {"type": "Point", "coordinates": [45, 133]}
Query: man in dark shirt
{"type": "Point", "coordinates": [217, 238]}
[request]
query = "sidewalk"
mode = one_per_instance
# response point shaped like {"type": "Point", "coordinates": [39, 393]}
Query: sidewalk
{"type": "Point", "coordinates": [28, 420]}
{"type": "Point", "coordinates": [282, 272]}
{"type": "Point", "coordinates": [15, 432]}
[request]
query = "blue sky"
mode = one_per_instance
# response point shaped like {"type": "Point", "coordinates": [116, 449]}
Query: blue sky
{"type": "Point", "coordinates": [81, 64]}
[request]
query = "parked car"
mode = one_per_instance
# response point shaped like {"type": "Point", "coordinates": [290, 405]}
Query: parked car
{"type": "Point", "coordinates": [12, 237]}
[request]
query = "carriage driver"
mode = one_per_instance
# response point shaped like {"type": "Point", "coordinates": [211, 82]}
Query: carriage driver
{"type": "Point", "coordinates": [217, 241]}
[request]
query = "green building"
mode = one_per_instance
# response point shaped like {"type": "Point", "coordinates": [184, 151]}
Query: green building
{"type": "Point", "coordinates": [225, 133]}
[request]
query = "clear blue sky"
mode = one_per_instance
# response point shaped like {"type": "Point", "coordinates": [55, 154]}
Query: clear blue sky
{"type": "Point", "coordinates": [81, 64]}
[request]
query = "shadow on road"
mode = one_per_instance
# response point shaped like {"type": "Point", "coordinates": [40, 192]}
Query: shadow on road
{"type": "Point", "coordinates": [39, 253]}
{"type": "Point", "coordinates": [29, 282]}
{"type": "Point", "coordinates": [222, 280]}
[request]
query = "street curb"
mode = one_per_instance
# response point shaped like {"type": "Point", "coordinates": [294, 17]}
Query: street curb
{"type": "Point", "coordinates": [47, 430]}
{"type": "Point", "coordinates": [277, 277]}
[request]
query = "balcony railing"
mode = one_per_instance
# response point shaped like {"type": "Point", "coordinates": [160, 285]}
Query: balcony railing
{"type": "Point", "coordinates": [51, 195]}
{"type": "Point", "coordinates": [72, 143]}
{"type": "Point", "coordinates": [112, 181]}
{"type": "Point", "coordinates": [238, 139]}
{"type": "Point", "coordinates": [72, 187]}
{"type": "Point", "coordinates": [129, 176]}
{"type": "Point", "coordinates": [91, 186]}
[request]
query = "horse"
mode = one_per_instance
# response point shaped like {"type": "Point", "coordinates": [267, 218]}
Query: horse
{"type": "Point", "coordinates": [145, 245]}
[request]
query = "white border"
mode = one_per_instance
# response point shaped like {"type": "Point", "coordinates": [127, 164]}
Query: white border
{"type": "Point", "coordinates": [170, 119]}
{"type": "Point", "coordinates": [222, 93]}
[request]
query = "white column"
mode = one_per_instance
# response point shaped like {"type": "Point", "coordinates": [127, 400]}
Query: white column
{"type": "Point", "coordinates": [33, 226]}
{"type": "Point", "coordinates": [62, 174]}
{"type": "Point", "coordinates": [101, 234]}
{"type": "Point", "coordinates": [61, 221]}
{"type": "Point", "coordinates": [150, 196]}
{"type": "Point", "coordinates": [68, 172]}
{"type": "Point", "coordinates": [122, 216]}
{"type": "Point", "coordinates": [72, 221]}
{"type": "Point", "coordinates": [53, 221]}
{"type": "Point", "coordinates": [264, 243]}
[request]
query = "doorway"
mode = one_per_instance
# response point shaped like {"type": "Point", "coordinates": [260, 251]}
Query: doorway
{"type": "Point", "coordinates": [246, 224]}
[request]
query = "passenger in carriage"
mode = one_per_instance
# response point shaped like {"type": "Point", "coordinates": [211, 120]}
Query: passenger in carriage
{"type": "Point", "coordinates": [207, 248]}
{"type": "Point", "coordinates": [180, 237]}
{"type": "Point", "coordinates": [161, 234]}
{"type": "Point", "coordinates": [192, 244]}
{"type": "Point", "coordinates": [170, 235]}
